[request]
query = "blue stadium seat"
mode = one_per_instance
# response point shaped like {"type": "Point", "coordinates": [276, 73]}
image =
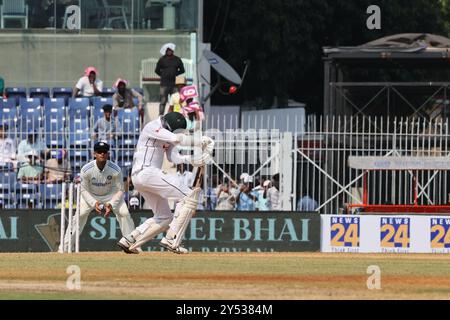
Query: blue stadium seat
{"type": "Point", "coordinates": [26, 193]}
{"type": "Point", "coordinates": [79, 108]}
{"type": "Point", "coordinates": [130, 126]}
{"type": "Point", "coordinates": [50, 104]}
{"type": "Point", "coordinates": [7, 189]}
{"type": "Point", "coordinates": [55, 139]}
{"type": "Point", "coordinates": [30, 119]}
{"type": "Point", "coordinates": [128, 141]}
{"type": "Point", "coordinates": [9, 103]}
{"type": "Point", "coordinates": [79, 124]}
{"type": "Point", "coordinates": [108, 92]}
{"type": "Point", "coordinates": [16, 93]}
{"type": "Point", "coordinates": [40, 93]}
{"type": "Point", "coordinates": [7, 181]}
{"type": "Point", "coordinates": [129, 120]}
{"type": "Point", "coordinates": [125, 153]}
{"type": "Point", "coordinates": [79, 138]}
{"type": "Point", "coordinates": [50, 195]}
{"type": "Point", "coordinates": [54, 122]}
{"type": "Point", "coordinates": [29, 103]}
{"type": "Point", "coordinates": [98, 104]}
{"type": "Point", "coordinates": [62, 92]}
{"type": "Point", "coordinates": [78, 158]}
{"type": "Point", "coordinates": [8, 115]}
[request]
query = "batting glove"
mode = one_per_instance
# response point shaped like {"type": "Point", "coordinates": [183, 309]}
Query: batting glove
{"type": "Point", "coordinates": [198, 161]}
{"type": "Point", "coordinates": [207, 144]}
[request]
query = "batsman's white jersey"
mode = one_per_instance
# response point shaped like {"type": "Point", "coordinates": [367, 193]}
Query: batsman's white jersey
{"type": "Point", "coordinates": [104, 186]}
{"type": "Point", "coordinates": [154, 141]}
{"type": "Point", "coordinates": [150, 181]}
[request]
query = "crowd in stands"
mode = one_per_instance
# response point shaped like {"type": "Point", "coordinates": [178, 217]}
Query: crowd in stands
{"type": "Point", "coordinates": [46, 135]}
{"type": "Point", "coordinates": [38, 160]}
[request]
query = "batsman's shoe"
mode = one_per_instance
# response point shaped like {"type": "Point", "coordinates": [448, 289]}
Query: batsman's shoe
{"type": "Point", "coordinates": [125, 245]}
{"type": "Point", "coordinates": [167, 243]}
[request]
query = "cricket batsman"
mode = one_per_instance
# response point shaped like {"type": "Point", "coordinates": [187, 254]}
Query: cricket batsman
{"type": "Point", "coordinates": [159, 137]}
{"type": "Point", "coordinates": [102, 190]}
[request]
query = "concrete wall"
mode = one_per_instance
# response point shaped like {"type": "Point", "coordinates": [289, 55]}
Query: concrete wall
{"type": "Point", "coordinates": [54, 59]}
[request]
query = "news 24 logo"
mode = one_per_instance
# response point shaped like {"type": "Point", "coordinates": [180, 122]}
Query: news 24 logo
{"type": "Point", "coordinates": [440, 233]}
{"type": "Point", "coordinates": [395, 232]}
{"type": "Point", "coordinates": [345, 231]}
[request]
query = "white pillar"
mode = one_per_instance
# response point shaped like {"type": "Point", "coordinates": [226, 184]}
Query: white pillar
{"type": "Point", "coordinates": [286, 172]}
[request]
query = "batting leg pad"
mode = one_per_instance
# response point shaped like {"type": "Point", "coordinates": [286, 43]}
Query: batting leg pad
{"type": "Point", "coordinates": [152, 231]}
{"type": "Point", "coordinates": [187, 210]}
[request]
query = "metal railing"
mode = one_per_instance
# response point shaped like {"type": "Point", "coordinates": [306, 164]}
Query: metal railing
{"type": "Point", "coordinates": [311, 162]}
{"type": "Point", "coordinates": [323, 150]}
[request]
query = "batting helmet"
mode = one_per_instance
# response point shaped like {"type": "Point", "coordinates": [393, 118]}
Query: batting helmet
{"type": "Point", "coordinates": [173, 121]}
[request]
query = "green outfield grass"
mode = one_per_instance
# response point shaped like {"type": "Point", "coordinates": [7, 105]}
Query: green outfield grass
{"type": "Point", "coordinates": [224, 276]}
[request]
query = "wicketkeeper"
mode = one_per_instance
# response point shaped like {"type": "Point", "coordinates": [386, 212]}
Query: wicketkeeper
{"type": "Point", "coordinates": [102, 190]}
{"type": "Point", "coordinates": [159, 137]}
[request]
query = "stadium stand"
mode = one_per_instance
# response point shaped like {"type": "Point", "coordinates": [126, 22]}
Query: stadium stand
{"type": "Point", "coordinates": [50, 195]}
{"type": "Point", "coordinates": [54, 122]}
{"type": "Point", "coordinates": [108, 92]}
{"type": "Point", "coordinates": [62, 92]}
{"type": "Point", "coordinates": [39, 92]}
{"type": "Point", "coordinates": [62, 122]}
{"type": "Point", "coordinates": [16, 93]}
{"type": "Point", "coordinates": [98, 103]}
{"type": "Point", "coordinates": [8, 115]}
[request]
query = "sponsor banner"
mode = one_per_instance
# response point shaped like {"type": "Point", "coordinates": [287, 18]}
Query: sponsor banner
{"type": "Point", "coordinates": [39, 231]}
{"type": "Point", "coordinates": [400, 234]}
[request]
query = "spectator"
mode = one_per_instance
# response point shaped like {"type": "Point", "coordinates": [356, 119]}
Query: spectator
{"type": "Point", "coordinates": [123, 98]}
{"type": "Point", "coordinates": [168, 67]}
{"type": "Point", "coordinates": [175, 98]}
{"type": "Point", "coordinates": [105, 129]}
{"type": "Point", "coordinates": [57, 169]}
{"type": "Point", "coordinates": [31, 171]}
{"type": "Point", "coordinates": [225, 198]}
{"type": "Point", "coordinates": [274, 193]}
{"type": "Point", "coordinates": [263, 204]}
{"type": "Point", "coordinates": [30, 144]}
{"type": "Point", "coordinates": [246, 198]}
{"type": "Point", "coordinates": [211, 194]}
{"type": "Point", "coordinates": [88, 85]}
{"type": "Point", "coordinates": [7, 147]}
{"type": "Point", "coordinates": [184, 172]}
{"type": "Point", "coordinates": [194, 115]}
{"type": "Point", "coordinates": [306, 203]}
{"type": "Point", "coordinates": [258, 190]}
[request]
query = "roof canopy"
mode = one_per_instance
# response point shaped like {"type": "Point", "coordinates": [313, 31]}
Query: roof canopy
{"type": "Point", "coordinates": [405, 45]}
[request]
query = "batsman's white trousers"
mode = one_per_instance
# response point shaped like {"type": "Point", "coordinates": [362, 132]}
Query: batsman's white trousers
{"type": "Point", "coordinates": [156, 187]}
{"type": "Point", "coordinates": [121, 211]}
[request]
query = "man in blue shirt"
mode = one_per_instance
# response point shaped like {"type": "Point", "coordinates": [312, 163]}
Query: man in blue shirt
{"type": "Point", "coordinates": [246, 198]}
{"type": "Point", "coordinates": [306, 203]}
